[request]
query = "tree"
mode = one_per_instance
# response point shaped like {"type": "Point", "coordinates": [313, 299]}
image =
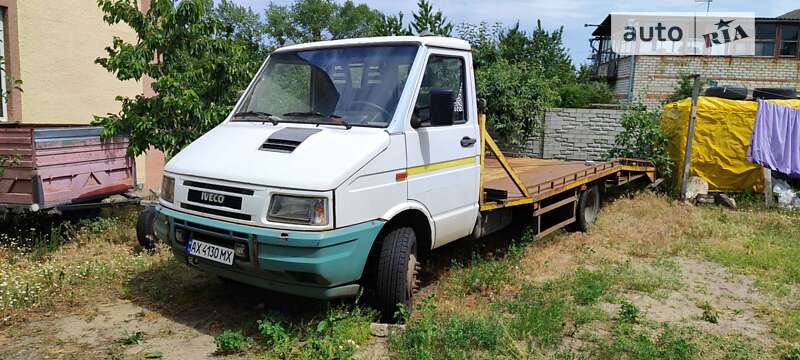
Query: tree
{"type": "Point", "coordinates": [317, 20]}
{"type": "Point", "coordinates": [426, 19]}
{"type": "Point", "coordinates": [311, 18]}
{"type": "Point", "coordinates": [196, 71]}
{"type": "Point", "coordinates": [278, 24]}
{"type": "Point", "coordinates": [391, 26]}
{"type": "Point", "coordinates": [517, 95]}
{"type": "Point", "coordinates": [353, 21]}
{"type": "Point", "coordinates": [547, 49]}
{"type": "Point", "coordinates": [243, 24]}
{"type": "Point", "coordinates": [483, 39]}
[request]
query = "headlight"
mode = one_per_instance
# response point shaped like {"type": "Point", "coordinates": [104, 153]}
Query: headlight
{"type": "Point", "coordinates": [298, 210]}
{"type": "Point", "coordinates": [168, 189]}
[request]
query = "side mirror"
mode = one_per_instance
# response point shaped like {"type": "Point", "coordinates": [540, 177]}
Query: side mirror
{"type": "Point", "coordinates": [441, 107]}
{"type": "Point", "coordinates": [239, 94]}
{"type": "Point", "coordinates": [482, 106]}
{"type": "Point", "coordinates": [416, 122]}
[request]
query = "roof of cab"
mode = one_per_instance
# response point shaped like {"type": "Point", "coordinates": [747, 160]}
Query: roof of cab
{"type": "Point", "coordinates": [434, 41]}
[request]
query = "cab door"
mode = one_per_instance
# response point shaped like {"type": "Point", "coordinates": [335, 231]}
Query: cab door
{"type": "Point", "coordinates": [443, 160]}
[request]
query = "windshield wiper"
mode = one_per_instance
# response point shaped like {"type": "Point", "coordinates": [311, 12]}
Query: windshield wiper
{"type": "Point", "coordinates": [335, 119]}
{"type": "Point", "coordinates": [260, 115]}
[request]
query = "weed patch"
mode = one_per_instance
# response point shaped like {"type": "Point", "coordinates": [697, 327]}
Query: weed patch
{"type": "Point", "coordinates": [632, 342]}
{"type": "Point", "coordinates": [452, 336]}
{"type": "Point", "coordinates": [231, 342]}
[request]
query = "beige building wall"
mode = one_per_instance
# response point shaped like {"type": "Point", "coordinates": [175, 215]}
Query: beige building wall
{"type": "Point", "coordinates": [58, 43]}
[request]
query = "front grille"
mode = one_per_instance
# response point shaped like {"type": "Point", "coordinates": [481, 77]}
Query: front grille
{"type": "Point", "coordinates": [230, 189]}
{"type": "Point", "coordinates": [217, 212]}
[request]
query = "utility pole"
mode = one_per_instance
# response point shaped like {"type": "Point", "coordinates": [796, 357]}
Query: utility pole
{"type": "Point", "coordinates": [687, 156]}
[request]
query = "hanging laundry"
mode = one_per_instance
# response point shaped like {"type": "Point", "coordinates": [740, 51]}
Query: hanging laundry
{"type": "Point", "coordinates": [775, 142]}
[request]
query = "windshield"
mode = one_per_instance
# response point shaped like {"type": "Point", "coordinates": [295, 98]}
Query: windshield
{"type": "Point", "coordinates": [359, 86]}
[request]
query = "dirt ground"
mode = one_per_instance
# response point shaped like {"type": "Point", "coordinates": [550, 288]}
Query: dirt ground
{"type": "Point", "coordinates": [97, 334]}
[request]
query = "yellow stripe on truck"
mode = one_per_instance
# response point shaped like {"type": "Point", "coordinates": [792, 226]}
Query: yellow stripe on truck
{"type": "Point", "coordinates": [440, 165]}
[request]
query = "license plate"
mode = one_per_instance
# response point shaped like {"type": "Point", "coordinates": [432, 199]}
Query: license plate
{"type": "Point", "coordinates": [210, 251]}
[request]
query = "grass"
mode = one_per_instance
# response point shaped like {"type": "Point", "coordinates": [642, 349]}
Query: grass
{"type": "Point", "coordinates": [58, 263]}
{"type": "Point", "coordinates": [551, 298]}
{"type": "Point", "coordinates": [573, 295]}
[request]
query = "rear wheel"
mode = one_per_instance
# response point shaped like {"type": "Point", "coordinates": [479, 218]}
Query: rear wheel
{"type": "Point", "coordinates": [398, 272]}
{"type": "Point", "coordinates": [145, 230]}
{"type": "Point", "coordinates": [588, 207]}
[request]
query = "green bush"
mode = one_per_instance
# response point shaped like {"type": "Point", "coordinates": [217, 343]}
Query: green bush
{"type": "Point", "coordinates": [231, 342]}
{"type": "Point", "coordinates": [629, 313]}
{"type": "Point", "coordinates": [643, 138]}
{"type": "Point", "coordinates": [274, 335]}
{"type": "Point", "coordinates": [684, 88]}
{"type": "Point", "coordinates": [584, 94]}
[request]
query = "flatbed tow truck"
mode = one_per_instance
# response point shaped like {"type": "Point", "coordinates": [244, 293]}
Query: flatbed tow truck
{"type": "Point", "coordinates": [344, 161]}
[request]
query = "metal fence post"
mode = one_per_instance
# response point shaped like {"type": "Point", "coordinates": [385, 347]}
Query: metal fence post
{"type": "Point", "coordinates": [687, 158]}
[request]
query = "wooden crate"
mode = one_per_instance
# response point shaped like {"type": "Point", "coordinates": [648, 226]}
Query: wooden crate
{"type": "Point", "coordinates": [62, 165]}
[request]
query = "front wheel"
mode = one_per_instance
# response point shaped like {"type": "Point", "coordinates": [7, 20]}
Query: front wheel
{"type": "Point", "coordinates": [398, 272]}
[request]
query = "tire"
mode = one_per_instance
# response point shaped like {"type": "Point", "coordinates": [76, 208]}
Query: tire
{"type": "Point", "coordinates": [588, 208]}
{"type": "Point", "coordinates": [145, 229]}
{"type": "Point", "coordinates": [774, 93]}
{"type": "Point", "coordinates": [728, 92]}
{"type": "Point", "coordinates": [398, 271]}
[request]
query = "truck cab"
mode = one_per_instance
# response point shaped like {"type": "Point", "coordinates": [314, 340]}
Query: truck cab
{"type": "Point", "coordinates": [341, 163]}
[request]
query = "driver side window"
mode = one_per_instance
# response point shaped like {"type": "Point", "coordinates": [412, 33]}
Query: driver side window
{"type": "Point", "coordinates": [445, 72]}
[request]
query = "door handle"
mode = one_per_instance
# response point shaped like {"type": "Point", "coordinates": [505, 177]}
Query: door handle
{"type": "Point", "coordinates": [467, 141]}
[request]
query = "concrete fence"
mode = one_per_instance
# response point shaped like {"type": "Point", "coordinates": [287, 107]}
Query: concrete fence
{"type": "Point", "coordinates": [573, 134]}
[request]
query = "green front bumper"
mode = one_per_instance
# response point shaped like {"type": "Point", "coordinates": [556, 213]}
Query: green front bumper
{"type": "Point", "coordinates": [321, 264]}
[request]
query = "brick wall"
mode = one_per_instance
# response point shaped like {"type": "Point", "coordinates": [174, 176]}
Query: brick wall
{"type": "Point", "coordinates": [572, 134]}
{"type": "Point", "coordinates": [656, 76]}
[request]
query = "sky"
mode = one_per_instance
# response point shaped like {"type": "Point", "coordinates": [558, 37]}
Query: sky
{"type": "Point", "coordinates": [572, 14]}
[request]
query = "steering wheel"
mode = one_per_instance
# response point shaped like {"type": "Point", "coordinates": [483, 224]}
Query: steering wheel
{"type": "Point", "coordinates": [374, 106]}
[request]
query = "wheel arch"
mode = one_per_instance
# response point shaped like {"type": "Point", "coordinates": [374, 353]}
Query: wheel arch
{"type": "Point", "coordinates": [412, 215]}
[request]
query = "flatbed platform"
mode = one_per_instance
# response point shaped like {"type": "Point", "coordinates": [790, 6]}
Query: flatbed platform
{"type": "Point", "coordinates": [514, 181]}
{"type": "Point", "coordinates": [544, 178]}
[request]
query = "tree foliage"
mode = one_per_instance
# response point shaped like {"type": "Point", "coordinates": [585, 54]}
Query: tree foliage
{"type": "Point", "coordinates": [196, 71]}
{"type": "Point", "coordinates": [517, 95]}
{"type": "Point", "coordinates": [642, 138]}
{"type": "Point", "coordinates": [428, 19]}
{"type": "Point", "coordinates": [317, 20]}
{"type": "Point", "coordinates": [684, 87]}
{"type": "Point", "coordinates": [520, 74]}
{"type": "Point", "coordinates": [205, 53]}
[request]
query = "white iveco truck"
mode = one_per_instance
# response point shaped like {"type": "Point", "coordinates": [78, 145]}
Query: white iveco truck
{"type": "Point", "coordinates": [346, 160]}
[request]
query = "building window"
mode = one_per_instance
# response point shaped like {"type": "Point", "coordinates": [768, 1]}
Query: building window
{"type": "Point", "coordinates": [765, 39]}
{"type": "Point", "coordinates": [789, 40]}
